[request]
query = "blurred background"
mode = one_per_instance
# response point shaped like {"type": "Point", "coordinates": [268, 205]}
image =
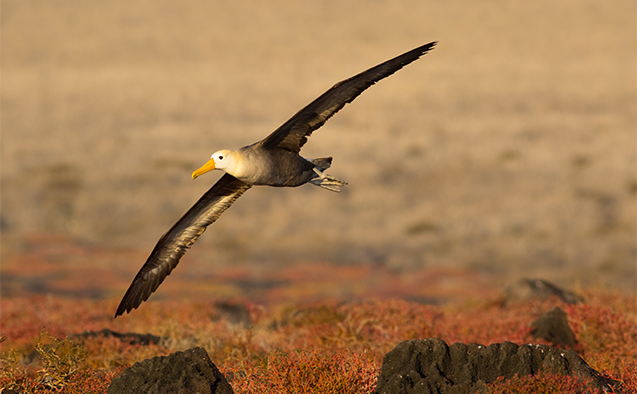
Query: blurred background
{"type": "Point", "coordinates": [507, 151]}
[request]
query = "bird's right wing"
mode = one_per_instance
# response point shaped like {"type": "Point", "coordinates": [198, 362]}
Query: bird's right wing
{"type": "Point", "coordinates": [172, 245]}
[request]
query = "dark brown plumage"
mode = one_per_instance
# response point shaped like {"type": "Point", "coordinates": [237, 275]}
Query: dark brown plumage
{"type": "Point", "coordinates": [274, 161]}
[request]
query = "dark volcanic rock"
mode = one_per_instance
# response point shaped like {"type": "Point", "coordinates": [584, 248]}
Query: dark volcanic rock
{"type": "Point", "coordinates": [553, 326]}
{"type": "Point", "coordinates": [422, 366]}
{"type": "Point", "coordinates": [525, 289]}
{"type": "Point", "coordinates": [181, 372]}
{"type": "Point", "coordinates": [234, 313]}
{"type": "Point", "coordinates": [130, 337]}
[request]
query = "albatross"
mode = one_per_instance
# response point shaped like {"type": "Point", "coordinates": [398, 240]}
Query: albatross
{"type": "Point", "coordinates": [273, 161]}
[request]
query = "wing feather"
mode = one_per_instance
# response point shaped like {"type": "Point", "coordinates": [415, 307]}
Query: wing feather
{"type": "Point", "coordinates": [172, 245]}
{"type": "Point", "coordinates": [292, 135]}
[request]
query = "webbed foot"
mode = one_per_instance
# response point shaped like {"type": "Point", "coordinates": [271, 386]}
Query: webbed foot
{"type": "Point", "coordinates": [327, 181]}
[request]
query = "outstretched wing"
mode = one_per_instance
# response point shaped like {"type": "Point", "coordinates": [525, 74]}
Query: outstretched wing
{"type": "Point", "coordinates": [293, 134]}
{"type": "Point", "coordinates": [172, 245]}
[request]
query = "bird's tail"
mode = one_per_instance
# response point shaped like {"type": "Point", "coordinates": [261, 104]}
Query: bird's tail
{"type": "Point", "coordinates": [323, 163]}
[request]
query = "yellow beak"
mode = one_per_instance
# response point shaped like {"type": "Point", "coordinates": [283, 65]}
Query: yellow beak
{"type": "Point", "coordinates": [209, 166]}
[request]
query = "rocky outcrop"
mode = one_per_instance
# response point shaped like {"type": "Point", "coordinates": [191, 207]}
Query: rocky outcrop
{"type": "Point", "coordinates": [129, 337]}
{"type": "Point", "coordinates": [430, 366]}
{"type": "Point", "coordinates": [553, 327]}
{"type": "Point", "coordinates": [237, 314]}
{"type": "Point", "coordinates": [181, 372]}
{"type": "Point", "coordinates": [526, 289]}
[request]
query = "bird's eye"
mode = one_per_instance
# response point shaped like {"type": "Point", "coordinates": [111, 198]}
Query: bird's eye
{"type": "Point", "coordinates": [220, 157]}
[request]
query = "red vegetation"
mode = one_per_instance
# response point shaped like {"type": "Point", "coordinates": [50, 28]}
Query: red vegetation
{"type": "Point", "coordinates": [304, 371]}
{"type": "Point", "coordinates": [321, 347]}
{"type": "Point", "coordinates": [540, 383]}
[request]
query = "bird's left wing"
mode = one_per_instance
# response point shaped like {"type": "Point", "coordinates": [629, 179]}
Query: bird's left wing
{"type": "Point", "coordinates": [172, 245]}
{"type": "Point", "coordinates": [293, 134]}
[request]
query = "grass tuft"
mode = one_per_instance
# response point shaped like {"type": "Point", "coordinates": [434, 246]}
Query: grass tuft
{"type": "Point", "coordinates": [59, 367]}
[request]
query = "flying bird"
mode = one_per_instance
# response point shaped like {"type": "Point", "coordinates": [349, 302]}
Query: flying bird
{"type": "Point", "coordinates": [273, 161]}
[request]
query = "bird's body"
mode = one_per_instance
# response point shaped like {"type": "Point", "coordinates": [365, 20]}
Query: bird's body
{"type": "Point", "coordinates": [273, 161]}
{"type": "Point", "coordinates": [270, 167]}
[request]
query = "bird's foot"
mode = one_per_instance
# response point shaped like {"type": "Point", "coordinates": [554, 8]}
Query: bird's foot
{"type": "Point", "coordinates": [327, 181]}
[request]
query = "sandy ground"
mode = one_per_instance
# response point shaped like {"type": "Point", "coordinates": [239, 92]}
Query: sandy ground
{"type": "Point", "coordinates": [510, 149]}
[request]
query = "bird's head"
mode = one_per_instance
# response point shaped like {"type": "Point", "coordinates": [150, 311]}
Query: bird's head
{"type": "Point", "coordinates": [222, 160]}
